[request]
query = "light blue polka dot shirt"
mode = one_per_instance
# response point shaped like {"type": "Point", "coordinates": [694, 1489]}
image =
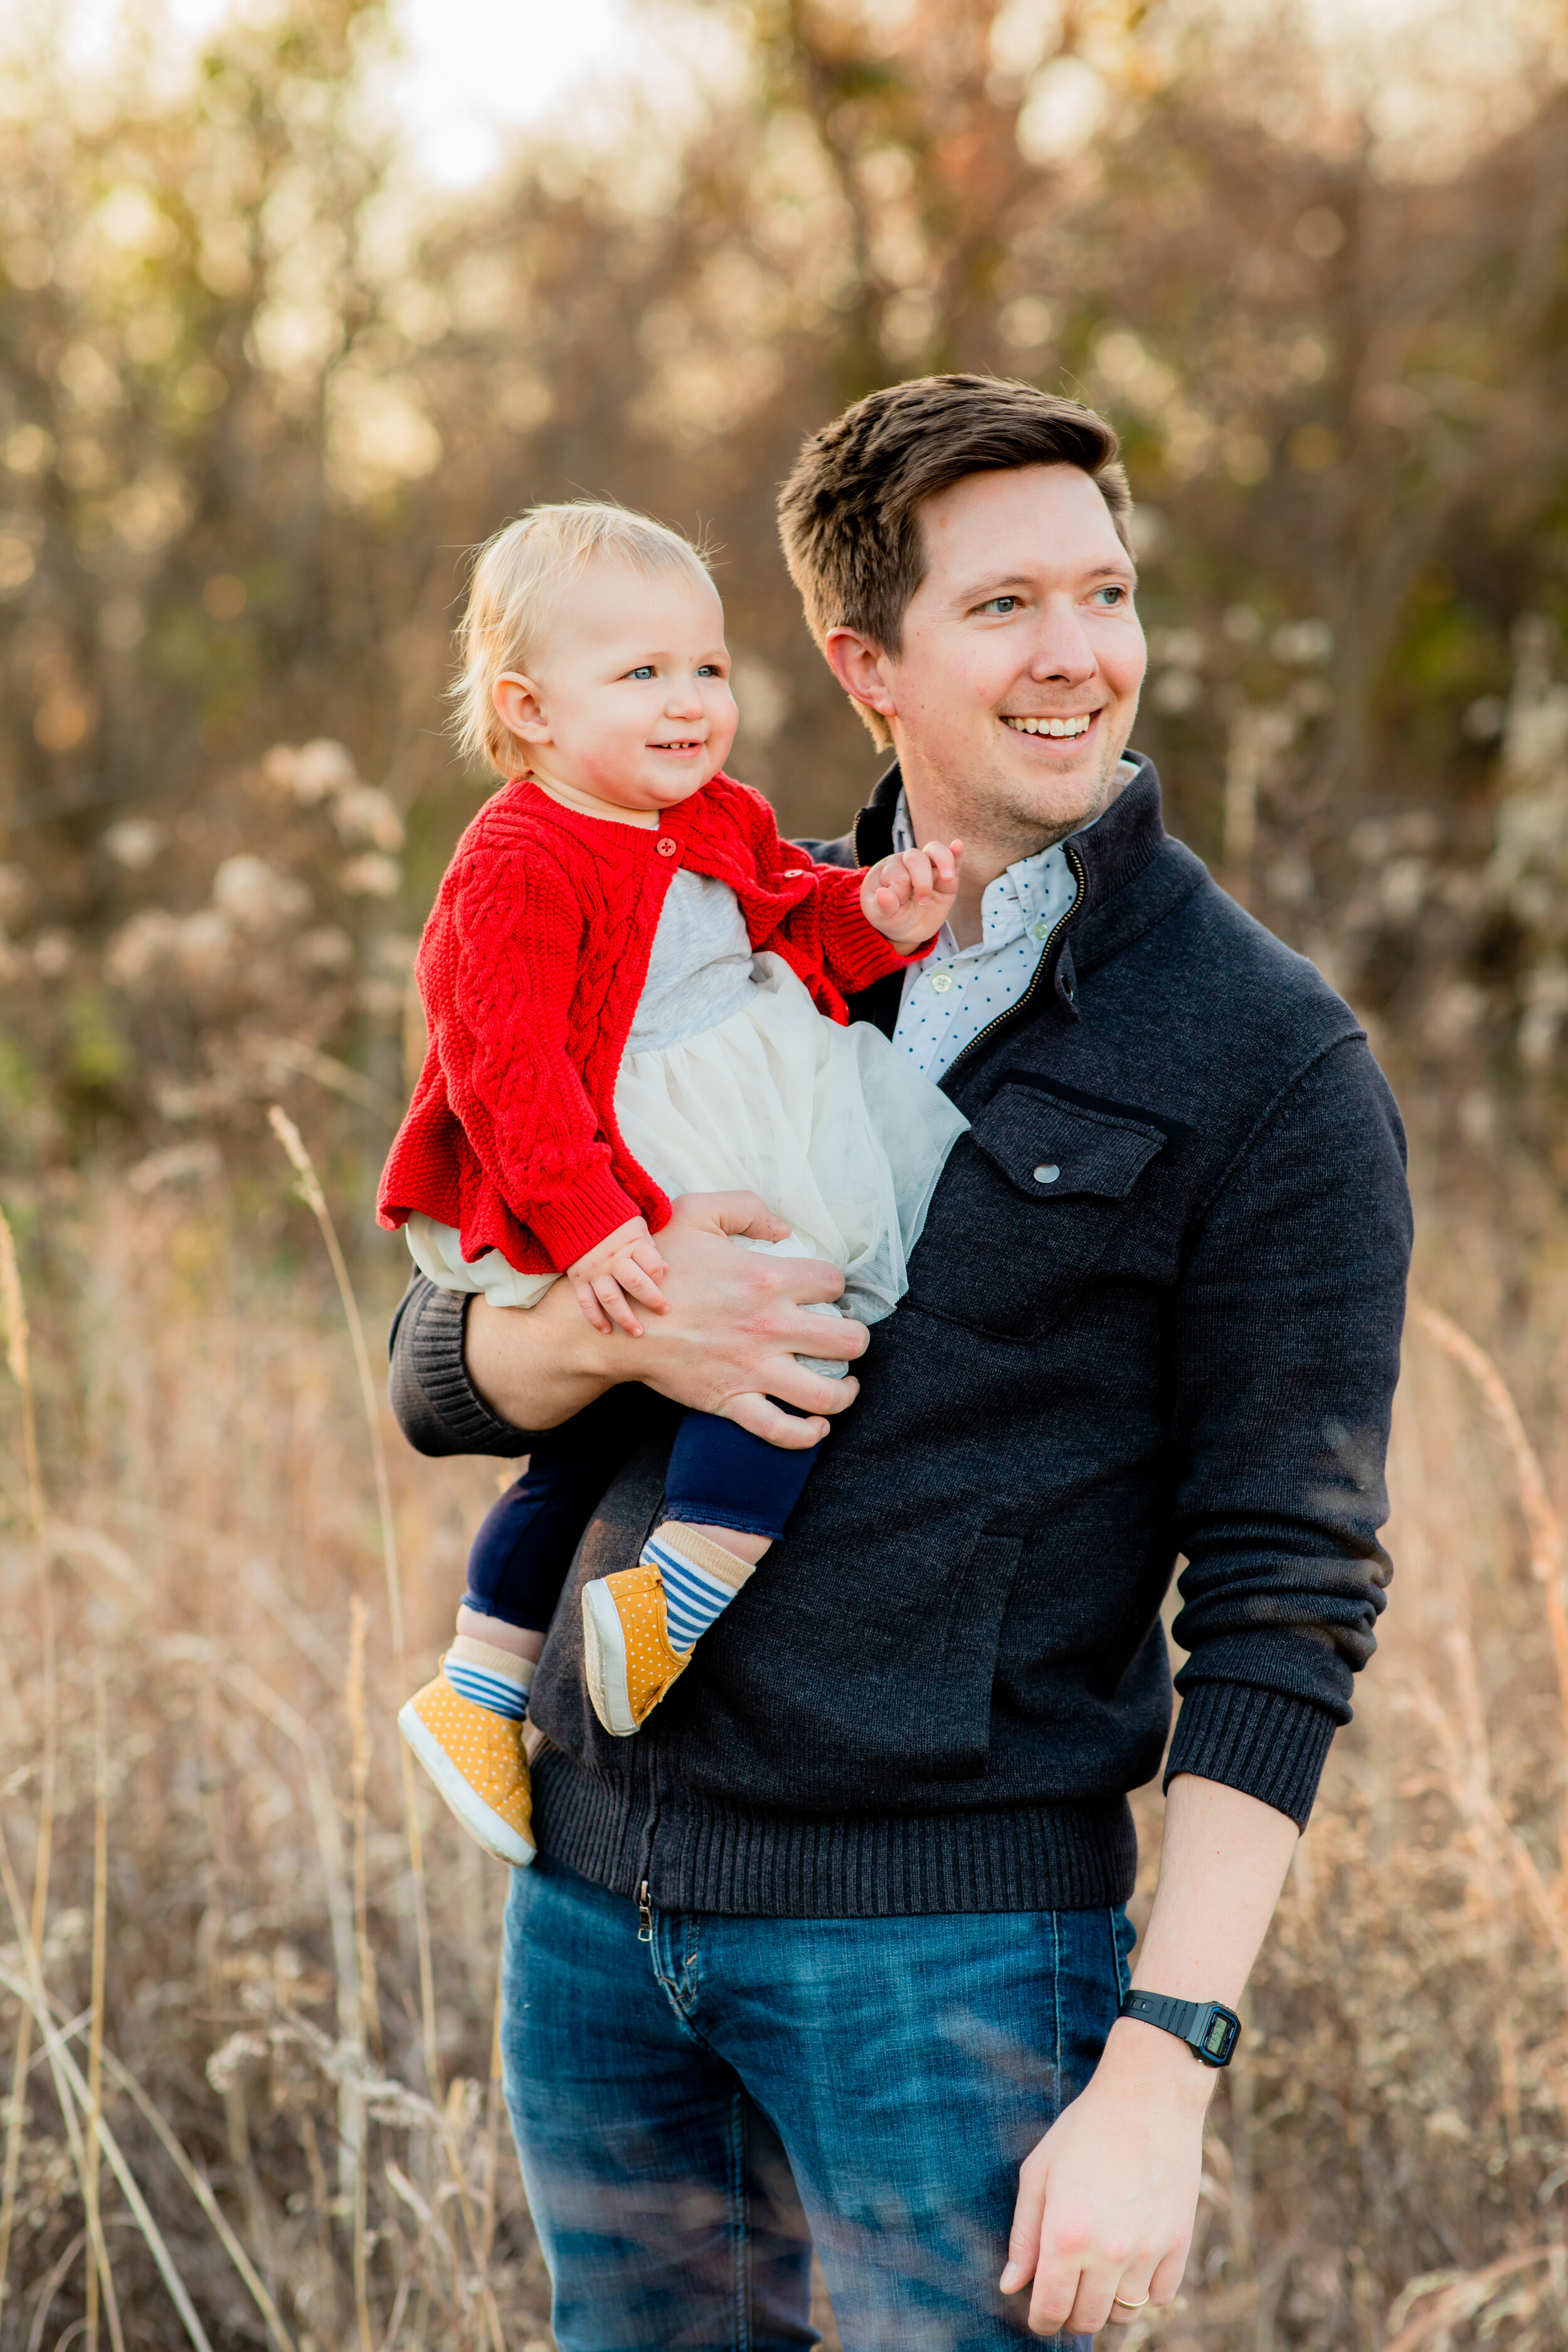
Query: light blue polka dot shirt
{"type": "Point", "coordinates": [959, 991]}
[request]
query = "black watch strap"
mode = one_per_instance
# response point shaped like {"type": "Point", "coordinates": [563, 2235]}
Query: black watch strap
{"type": "Point", "coordinates": [1207, 2027]}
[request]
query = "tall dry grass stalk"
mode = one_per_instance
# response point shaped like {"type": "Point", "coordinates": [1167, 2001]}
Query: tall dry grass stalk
{"type": "Point", "coordinates": [315, 1199]}
{"type": "Point", "coordinates": [230, 2018]}
{"type": "Point", "coordinates": [293, 2094]}
{"type": "Point", "coordinates": [18, 1358]}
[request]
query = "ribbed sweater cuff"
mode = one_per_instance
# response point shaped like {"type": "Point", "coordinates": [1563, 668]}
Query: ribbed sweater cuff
{"type": "Point", "coordinates": [1265, 1743]}
{"type": "Point", "coordinates": [857, 953]}
{"type": "Point", "coordinates": [580, 1220]}
{"type": "Point", "coordinates": [439, 1409]}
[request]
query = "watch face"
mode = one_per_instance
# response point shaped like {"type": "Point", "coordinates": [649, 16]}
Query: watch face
{"type": "Point", "coordinates": [1219, 2037]}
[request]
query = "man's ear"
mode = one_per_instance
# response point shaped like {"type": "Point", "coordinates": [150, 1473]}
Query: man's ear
{"type": "Point", "coordinates": [520, 708]}
{"type": "Point", "coordinates": [861, 668]}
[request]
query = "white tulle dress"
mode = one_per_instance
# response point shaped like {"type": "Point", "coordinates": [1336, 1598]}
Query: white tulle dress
{"type": "Point", "coordinates": [731, 1080]}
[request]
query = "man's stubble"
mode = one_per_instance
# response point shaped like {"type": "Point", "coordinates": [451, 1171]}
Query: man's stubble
{"type": "Point", "coordinates": [1002, 809]}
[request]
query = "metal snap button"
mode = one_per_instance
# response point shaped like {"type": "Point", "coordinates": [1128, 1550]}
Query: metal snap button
{"type": "Point", "coordinates": [666, 846]}
{"type": "Point", "coordinates": [1048, 1174]}
{"type": "Point", "coordinates": [941, 981]}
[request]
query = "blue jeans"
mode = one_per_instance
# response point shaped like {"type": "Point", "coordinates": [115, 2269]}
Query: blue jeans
{"type": "Point", "coordinates": [693, 2113]}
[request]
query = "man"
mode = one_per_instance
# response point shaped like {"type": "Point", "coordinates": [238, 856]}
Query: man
{"type": "Point", "coordinates": [834, 1949]}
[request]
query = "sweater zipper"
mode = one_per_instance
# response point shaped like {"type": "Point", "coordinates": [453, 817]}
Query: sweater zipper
{"type": "Point", "coordinates": [1047, 956]}
{"type": "Point", "coordinates": [645, 1769]}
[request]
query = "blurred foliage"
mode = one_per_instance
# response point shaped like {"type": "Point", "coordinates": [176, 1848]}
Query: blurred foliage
{"type": "Point", "coordinates": [259, 391]}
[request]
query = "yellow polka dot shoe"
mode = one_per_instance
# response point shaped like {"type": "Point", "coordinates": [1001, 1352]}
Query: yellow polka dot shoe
{"type": "Point", "coordinates": [626, 1651]}
{"type": "Point", "coordinates": [476, 1760]}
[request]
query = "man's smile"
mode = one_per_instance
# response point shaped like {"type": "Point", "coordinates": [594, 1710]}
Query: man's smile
{"type": "Point", "coordinates": [1078, 723]}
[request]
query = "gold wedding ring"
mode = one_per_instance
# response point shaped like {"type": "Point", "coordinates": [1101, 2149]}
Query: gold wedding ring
{"type": "Point", "coordinates": [1127, 2302]}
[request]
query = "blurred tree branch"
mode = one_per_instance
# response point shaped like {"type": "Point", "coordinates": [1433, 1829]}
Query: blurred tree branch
{"type": "Point", "coordinates": [259, 391]}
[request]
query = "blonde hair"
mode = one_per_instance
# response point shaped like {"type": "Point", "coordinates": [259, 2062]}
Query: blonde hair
{"type": "Point", "coordinates": [516, 578]}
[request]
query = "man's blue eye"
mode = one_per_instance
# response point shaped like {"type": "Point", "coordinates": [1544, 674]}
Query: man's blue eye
{"type": "Point", "coordinates": [1001, 604]}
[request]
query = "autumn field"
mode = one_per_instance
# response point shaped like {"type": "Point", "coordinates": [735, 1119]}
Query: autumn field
{"type": "Point", "coordinates": [261, 388]}
{"type": "Point", "coordinates": [240, 1934]}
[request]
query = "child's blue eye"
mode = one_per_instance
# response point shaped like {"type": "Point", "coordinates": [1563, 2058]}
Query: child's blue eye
{"type": "Point", "coordinates": [643, 670]}
{"type": "Point", "coordinates": [708, 669]}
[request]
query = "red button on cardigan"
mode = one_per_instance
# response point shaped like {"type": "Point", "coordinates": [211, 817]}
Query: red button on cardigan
{"type": "Point", "coordinates": [530, 967]}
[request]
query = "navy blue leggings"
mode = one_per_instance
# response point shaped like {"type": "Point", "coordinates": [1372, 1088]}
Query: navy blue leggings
{"type": "Point", "coordinates": [719, 1476]}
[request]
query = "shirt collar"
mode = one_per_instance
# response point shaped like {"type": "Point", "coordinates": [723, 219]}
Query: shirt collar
{"type": "Point", "coordinates": [1030, 887]}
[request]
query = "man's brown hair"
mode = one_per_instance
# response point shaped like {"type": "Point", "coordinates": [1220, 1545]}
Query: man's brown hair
{"type": "Point", "coordinates": [849, 513]}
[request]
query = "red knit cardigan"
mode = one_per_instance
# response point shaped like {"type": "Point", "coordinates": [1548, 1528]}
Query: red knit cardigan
{"type": "Point", "coordinates": [530, 967]}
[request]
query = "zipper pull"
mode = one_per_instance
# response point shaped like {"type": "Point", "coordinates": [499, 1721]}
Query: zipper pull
{"type": "Point", "coordinates": [645, 1913]}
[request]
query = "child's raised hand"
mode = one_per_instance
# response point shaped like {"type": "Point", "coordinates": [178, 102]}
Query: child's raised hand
{"type": "Point", "coordinates": [624, 1266]}
{"type": "Point", "coordinates": [908, 897]}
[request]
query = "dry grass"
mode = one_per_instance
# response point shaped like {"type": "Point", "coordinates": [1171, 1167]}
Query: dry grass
{"type": "Point", "coordinates": [215, 1880]}
{"type": "Point", "coordinates": [316, 2127]}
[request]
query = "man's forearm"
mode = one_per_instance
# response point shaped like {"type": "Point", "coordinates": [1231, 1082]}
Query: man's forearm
{"type": "Point", "coordinates": [536, 1369]}
{"type": "Point", "coordinates": [1221, 1865]}
{"type": "Point", "coordinates": [1106, 2202]}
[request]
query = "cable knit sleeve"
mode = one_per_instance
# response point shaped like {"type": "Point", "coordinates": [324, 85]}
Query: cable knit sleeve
{"type": "Point", "coordinates": [854, 951]}
{"type": "Point", "coordinates": [824, 925]}
{"type": "Point", "coordinates": [498, 974]}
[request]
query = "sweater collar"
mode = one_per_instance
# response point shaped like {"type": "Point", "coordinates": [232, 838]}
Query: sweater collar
{"type": "Point", "coordinates": [611, 835]}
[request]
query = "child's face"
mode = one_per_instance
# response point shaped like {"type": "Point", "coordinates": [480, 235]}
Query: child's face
{"type": "Point", "coordinates": [629, 696]}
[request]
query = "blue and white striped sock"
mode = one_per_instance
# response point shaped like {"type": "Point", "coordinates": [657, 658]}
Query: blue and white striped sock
{"type": "Point", "coordinates": [494, 1678]}
{"type": "Point", "coordinates": [699, 1577]}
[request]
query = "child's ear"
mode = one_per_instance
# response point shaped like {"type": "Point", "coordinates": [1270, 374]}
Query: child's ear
{"type": "Point", "coordinates": [520, 707]}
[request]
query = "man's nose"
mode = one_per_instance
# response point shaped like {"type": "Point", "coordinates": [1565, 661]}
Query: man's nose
{"type": "Point", "coordinates": [1062, 648]}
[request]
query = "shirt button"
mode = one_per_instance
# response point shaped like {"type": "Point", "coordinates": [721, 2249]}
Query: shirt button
{"type": "Point", "coordinates": [941, 981]}
{"type": "Point", "coordinates": [1040, 929]}
{"type": "Point", "coordinates": [792, 873]}
{"type": "Point", "coordinates": [666, 846]}
{"type": "Point", "coordinates": [1048, 1174]}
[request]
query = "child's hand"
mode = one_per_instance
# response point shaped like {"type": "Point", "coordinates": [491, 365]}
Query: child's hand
{"type": "Point", "coordinates": [908, 897]}
{"type": "Point", "coordinates": [622, 1267]}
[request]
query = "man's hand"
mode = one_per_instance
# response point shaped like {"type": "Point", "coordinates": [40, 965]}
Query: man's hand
{"type": "Point", "coordinates": [1105, 2200]}
{"type": "Point", "coordinates": [729, 1342]}
{"type": "Point", "coordinates": [909, 896]}
{"type": "Point", "coordinates": [622, 1267]}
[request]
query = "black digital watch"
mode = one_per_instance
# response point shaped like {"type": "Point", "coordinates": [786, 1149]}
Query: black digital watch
{"type": "Point", "coordinates": [1207, 2027]}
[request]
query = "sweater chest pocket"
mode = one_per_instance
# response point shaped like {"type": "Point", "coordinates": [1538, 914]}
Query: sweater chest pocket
{"type": "Point", "coordinates": [1028, 1203]}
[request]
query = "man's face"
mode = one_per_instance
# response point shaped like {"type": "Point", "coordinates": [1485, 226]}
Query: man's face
{"type": "Point", "coordinates": [1016, 686]}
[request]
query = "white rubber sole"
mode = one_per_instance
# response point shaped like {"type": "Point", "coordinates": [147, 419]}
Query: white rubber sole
{"type": "Point", "coordinates": [605, 1660]}
{"type": "Point", "coordinates": [482, 1821]}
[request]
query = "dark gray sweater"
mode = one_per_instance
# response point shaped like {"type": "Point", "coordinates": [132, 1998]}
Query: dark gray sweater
{"type": "Point", "coordinates": [937, 1690]}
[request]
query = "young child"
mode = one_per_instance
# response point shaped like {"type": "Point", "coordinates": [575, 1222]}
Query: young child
{"type": "Point", "coordinates": [635, 988]}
